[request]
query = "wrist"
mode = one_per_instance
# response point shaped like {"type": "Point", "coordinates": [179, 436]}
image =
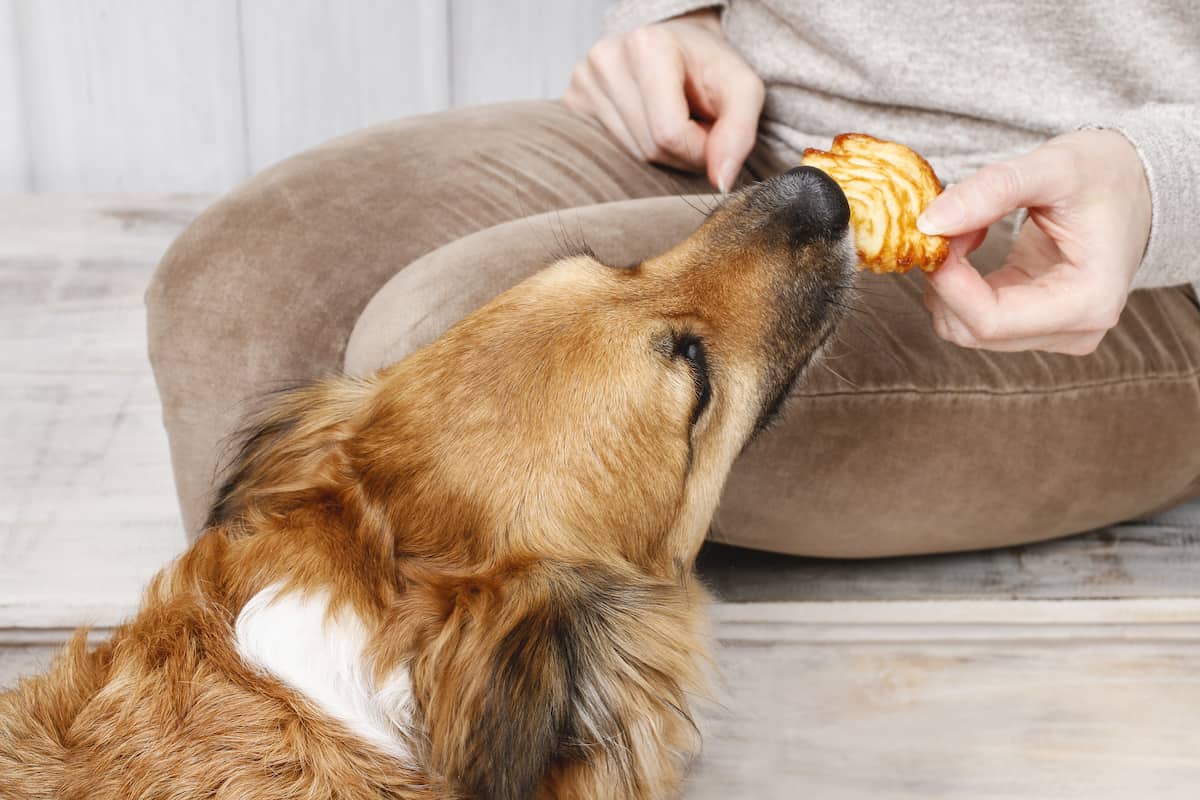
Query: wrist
{"type": "Point", "coordinates": [1134, 184]}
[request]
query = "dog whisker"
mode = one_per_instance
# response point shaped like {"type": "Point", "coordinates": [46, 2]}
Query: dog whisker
{"type": "Point", "coordinates": [837, 374]}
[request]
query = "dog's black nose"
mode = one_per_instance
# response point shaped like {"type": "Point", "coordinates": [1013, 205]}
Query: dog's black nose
{"type": "Point", "coordinates": [813, 205]}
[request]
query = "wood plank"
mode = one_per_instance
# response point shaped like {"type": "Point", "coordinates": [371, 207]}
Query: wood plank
{"type": "Point", "coordinates": [1043, 699]}
{"type": "Point", "coordinates": [19, 662]}
{"type": "Point", "coordinates": [993, 717]}
{"type": "Point", "coordinates": [336, 67]}
{"type": "Point", "coordinates": [87, 508]}
{"type": "Point", "coordinates": [14, 158]}
{"type": "Point", "coordinates": [521, 49]}
{"type": "Point", "coordinates": [1138, 559]}
{"type": "Point", "coordinates": [132, 95]}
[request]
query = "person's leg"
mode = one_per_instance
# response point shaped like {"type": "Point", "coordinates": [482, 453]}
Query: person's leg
{"type": "Point", "coordinates": [263, 288]}
{"type": "Point", "coordinates": [899, 443]}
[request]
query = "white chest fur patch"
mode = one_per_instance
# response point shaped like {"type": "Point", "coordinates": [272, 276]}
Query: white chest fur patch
{"type": "Point", "coordinates": [323, 656]}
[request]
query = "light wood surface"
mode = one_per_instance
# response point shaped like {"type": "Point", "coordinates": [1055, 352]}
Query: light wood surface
{"type": "Point", "coordinates": [952, 707]}
{"type": "Point", "coordinates": [1158, 557]}
{"type": "Point", "coordinates": [87, 511]}
{"type": "Point", "coordinates": [958, 699]}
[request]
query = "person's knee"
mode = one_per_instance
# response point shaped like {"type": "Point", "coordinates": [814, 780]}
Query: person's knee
{"type": "Point", "coordinates": [323, 230]}
{"type": "Point", "coordinates": [171, 306]}
{"type": "Point", "coordinates": [194, 289]}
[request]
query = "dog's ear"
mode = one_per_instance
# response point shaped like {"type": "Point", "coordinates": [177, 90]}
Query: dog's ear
{"type": "Point", "coordinates": [579, 671]}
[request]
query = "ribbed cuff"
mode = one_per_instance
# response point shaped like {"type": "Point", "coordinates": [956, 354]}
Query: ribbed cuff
{"type": "Point", "coordinates": [1167, 139]}
{"type": "Point", "coordinates": [629, 14]}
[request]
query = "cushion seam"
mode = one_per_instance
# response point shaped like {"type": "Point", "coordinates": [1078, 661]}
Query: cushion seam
{"type": "Point", "coordinates": [1026, 392]}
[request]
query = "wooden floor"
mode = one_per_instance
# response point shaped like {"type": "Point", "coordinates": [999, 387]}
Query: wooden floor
{"type": "Point", "coordinates": [1062, 670]}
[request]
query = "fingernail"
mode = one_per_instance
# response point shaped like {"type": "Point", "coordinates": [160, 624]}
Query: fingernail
{"type": "Point", "coordinates": [727, 175]}
{"type": "Point", "coordinates": [944, 213]}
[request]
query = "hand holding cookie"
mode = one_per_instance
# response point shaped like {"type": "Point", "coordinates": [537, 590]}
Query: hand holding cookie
{"type": "Point", "coordinates": [1065, 281]}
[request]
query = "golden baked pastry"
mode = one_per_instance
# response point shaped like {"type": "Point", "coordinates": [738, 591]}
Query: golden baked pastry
{"type": "Point", "coordinates": [888, 186]}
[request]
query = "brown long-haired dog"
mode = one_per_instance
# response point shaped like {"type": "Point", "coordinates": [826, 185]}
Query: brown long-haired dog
{"type": "Point", "coordinates": [470, 575]}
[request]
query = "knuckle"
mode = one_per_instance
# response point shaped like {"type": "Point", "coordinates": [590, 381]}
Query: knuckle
{"type": "Point", "coordinates": [982, 327]}
{"type": "Point", "coordinates": [1110, 317]}
{"type": "Point", "coordinates": [748, 83]}
{"type": "Point", "coordinates": [1105, 320]}
{"type": "Point", "coordinates": [964, 338]}
{"type": "Point", "coordinates": [755, 84]}
{"type": "Point", "coordinates": [954, 332]}
{"type": "Point", "coordinates": [603, 55]}
{"type": "Point", "coordinates": [1075, 166]}
{"type": "Point", "coordinates": [1001, 181]}
{"type": "Point", "coordinates": [668, 138]}
{"type": "Point", "coordinates": [1082, 348]}
{"type": "Point", "coordinates": [1104, 314]}
{"type": "Point", "coordinates": [647, 40]}
{"type": "Point", "coordinates": [574, 93]}
{"type": "Point", "coordinates": [939, 327]}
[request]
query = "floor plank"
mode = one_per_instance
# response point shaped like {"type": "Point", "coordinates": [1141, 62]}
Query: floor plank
{"type": "Point", "coordinates": [1149, 558]}
{"type": "Point", "coordinates": [955, 699]}
{"type": "Point", "coordinates": [19, 662]}
{"type": "Point", "coordinates": [87, 512]}
{"type": "Point", "coordinates": [1102, 720]}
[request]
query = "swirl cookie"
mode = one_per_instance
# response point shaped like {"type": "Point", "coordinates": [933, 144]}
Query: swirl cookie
{"type": "Point", "coordinates": [888, 186]}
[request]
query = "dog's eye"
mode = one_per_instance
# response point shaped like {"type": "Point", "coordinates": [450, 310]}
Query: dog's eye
{"type": "Point", "coordinates": [691, 348]}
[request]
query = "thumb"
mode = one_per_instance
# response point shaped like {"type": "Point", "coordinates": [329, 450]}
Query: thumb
{"type": "Point", "coordinates": [738, 105]}
{"type": "Point", "coordinates": [990, 194]}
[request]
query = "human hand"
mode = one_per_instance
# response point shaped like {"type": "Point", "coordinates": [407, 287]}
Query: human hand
{"type": "Point", "coordinates": [674, 93]}
{"type": "Point", "coordinates": [1065, 282]}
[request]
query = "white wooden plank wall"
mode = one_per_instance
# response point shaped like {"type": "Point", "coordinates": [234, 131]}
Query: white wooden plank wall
{"type": "Point", "coordinates": [124, 93]}
{"type": "Point", "coordinates": [14, 163]}
{"type": "Point", "coordinates": [519, 48]}
{"type": "Point", "coordinates": [185, 96]}
{"type": "Point", "coordinates": [335, 67]}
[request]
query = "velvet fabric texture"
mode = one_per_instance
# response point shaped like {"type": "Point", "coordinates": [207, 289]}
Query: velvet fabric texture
{"type": "Point", "coordinates": [354, 254]}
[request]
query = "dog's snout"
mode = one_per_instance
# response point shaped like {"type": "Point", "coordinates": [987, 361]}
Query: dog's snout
{"type": "Point", "coordinates": [814, 206]}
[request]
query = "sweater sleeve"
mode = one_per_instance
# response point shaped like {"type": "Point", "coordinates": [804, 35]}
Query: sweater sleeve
{"type": "Point", "coordinates": [1167, 137]}
{"type": "Point", "coordinates": [629, 14]}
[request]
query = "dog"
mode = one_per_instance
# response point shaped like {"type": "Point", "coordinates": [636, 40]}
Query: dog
{"type": "Point", "coordinates": [471, 574]}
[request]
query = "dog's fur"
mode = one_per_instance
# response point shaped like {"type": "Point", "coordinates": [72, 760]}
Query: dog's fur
{"type": "Point", "coordinates": [499, 532]}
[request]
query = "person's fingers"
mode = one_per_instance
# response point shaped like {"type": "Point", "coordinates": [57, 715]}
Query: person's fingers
{"type": "Point", "coordinates": [960, 247]}
{"type": "Point", "coordinates": [1072, 344]}
{"type": "Point", "coordinates": [1036, 179]}
{"type": "Point", "coordinates": [616, 83]}
{"type": "Point", "coordinates": [585, 96]}
{"type": "Point", "coordinates": [945, 324]}
{"type": "Point", "coordinates": [967, 243]}
{"type": "Point", "coordinates": [1008, 305]}
{"type": "Point", "coordinates": [948, 327]}
{"type": "Point", "coordinates": [658, 70]}
{"type": "Point", "coordinates": [737, 102]}
{"type": "Point", "coordinates": [620, 90]}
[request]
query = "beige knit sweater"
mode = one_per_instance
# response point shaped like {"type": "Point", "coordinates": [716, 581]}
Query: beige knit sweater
{"type": "Point", "coordinates": [968, 83]}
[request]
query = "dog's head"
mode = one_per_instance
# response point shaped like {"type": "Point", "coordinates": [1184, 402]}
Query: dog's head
{"type": "Point", "coordinates": [519, 504]}
{"type": "Point", "coordinates": [595, 406]}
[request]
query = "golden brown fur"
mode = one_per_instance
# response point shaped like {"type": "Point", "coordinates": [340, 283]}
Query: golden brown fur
{"type": "Point", "coordinates": [513, 512]}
